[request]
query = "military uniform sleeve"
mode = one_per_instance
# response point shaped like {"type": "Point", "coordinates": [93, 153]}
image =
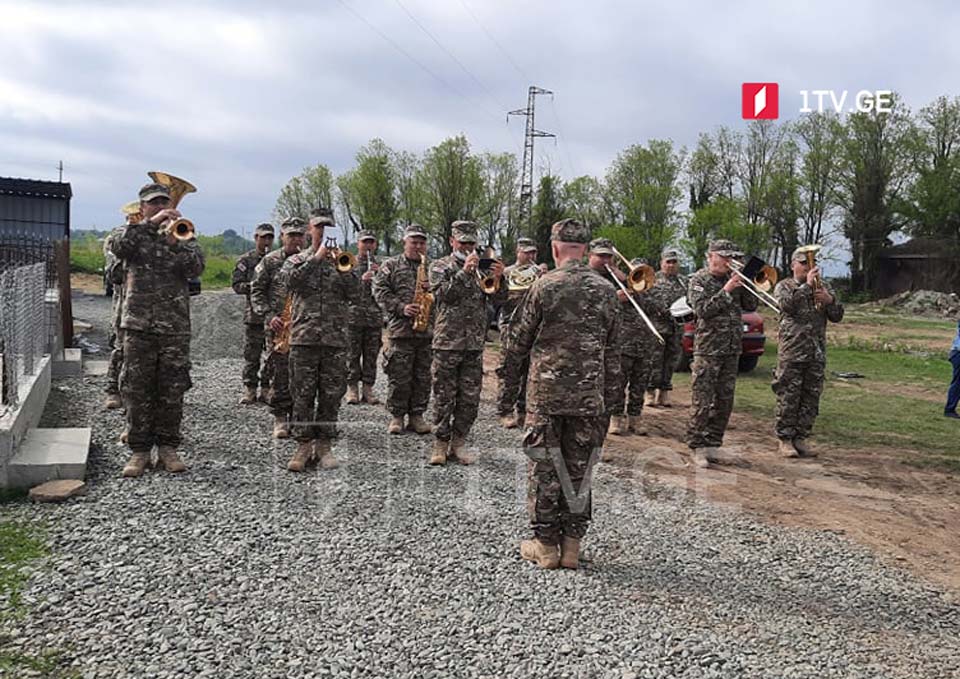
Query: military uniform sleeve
{"type": "Point", "coordinates": [748, 301]}
{"type": "Point", "coordinates": [447, 283]}
{"type": "Point", "coordinates": [239, 283]}
{"type": "Point", "coordinates": [792, 298]}
{"type": "Point", "coordinates": [259, 290]}
{"type": "Point", "coordinates": [189, 258]}
{"type": "Point", "coordinates": [705, 305]}
{"type": "Point", "coordinates": [835, 308]}
{"type": "Point", "coordinates": [383, 292]}
{"type": "Point", "coordinates": [131, 240]}
{"type": "Point", "coordinates": [611, 359]}
{"type": "Point", "coordinates": [524, 329]}
{"type": "Point", "coordinates": [350, 286]}
{"type": "Point", "coordinates": [298, 270]}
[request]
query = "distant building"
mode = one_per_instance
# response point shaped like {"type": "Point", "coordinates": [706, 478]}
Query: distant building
{"type": "Point", "coordinates": [34, 208]}
{"type": "Point", "coordinates": [919, 264]}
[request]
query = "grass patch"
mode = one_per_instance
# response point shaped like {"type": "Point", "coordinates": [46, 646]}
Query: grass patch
{"type": "Point", "coordinates": [218, 272]}
{"type": "Point", "coordinates": [18, 546]}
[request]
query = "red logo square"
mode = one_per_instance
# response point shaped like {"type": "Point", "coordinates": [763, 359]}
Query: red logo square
{"type": "Point", "coordinates": [761, 101]}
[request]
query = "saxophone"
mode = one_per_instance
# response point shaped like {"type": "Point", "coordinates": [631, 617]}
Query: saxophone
{"type": "Point", "coordinates": [281, 342]}
{"type": "Point", "coordinates": [422, 298]}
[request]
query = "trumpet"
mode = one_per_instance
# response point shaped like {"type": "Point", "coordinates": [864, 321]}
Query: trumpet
{"type": "Point", "coordinates": [488, 282]}
{"type": "Point", "coordinates": [640, 277]}
{"type": "Point", "coordinates": [646, 319]}
{"type": "Point", "coordinates": [811, 253]}
{"type": "Point", "coordinates": [758, 278]}
{"type": "Point", "coordinates": [181, 229]}
{"type": "Point", "coordinates": [343, 260]}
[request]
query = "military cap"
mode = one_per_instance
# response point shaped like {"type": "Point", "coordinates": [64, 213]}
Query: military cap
{"type": "Point", "coordinates": [293, 225]}
{"type": "Point", "coordinates": [464, 231]}
{"type": "Point", "coordinates": [366, 235]}
{"type": "Point", "coordinates": [321, 216]}
{"type": "Point", "coordinates": [638, 261]}
{"type": "Point", "coordinates": [570, 231]}
{"type": "Point", "coordinates": [725, 248]}
{"type": "Point", "coordinates": [600, 246]}
{"type": "Point", "coordinates": [265, 227]}
{"type": "Point", "coordinates": [414, 230]}
{"type": "Point", "coordinates": [526, 245]}
{"type": "Point", "coordinates": [799, 255]}
{"type": "Point", "coordinates": [670, 253]}
{"type": "Point", "coordinates": [151, 191]}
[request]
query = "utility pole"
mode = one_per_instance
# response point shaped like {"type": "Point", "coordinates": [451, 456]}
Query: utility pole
{"type": "Point", "coordinates": [526, 182]}
{"type": "Point", "coordinates": [60, 167]}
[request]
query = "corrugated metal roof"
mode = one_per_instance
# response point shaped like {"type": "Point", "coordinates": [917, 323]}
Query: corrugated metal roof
{"type": "Point", "coordinates": [35, 188]}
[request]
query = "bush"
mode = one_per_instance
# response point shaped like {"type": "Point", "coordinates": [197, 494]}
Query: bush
{"type": "Point", "coordinates": [86, 254]}
{"type": "Point", "coordinates": [218, 272]}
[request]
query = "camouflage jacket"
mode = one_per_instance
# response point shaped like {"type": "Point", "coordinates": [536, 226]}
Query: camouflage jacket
{"type": "Point", "coordinates": [395, 286]}
{"type": "Point", "coordinates": [635, 338]}
{"type": "Point", "coordinates": [509, 306]}
{"type": "Point", "coordinates": [156, 278]}
{"type": "Point", "coordinates": [268, 291]}
{"type": "Point", "coordinates": [803, 329]}
{"type": "Point", "coordinates": [112, 265]}
{"type": "Point", "coordinates": [461, 321]}
{"type": "Point", "coordinates": [719, 325]}
{"type": "Point", "coordinates": [568, 324]}
{"type": "Point", "coordinates": [321, 300]}
{"type": "Point", "coordinates": [242, 277]}
{"type": "Point", "coordinates": [667, 290]}
{"type": "Point", "coordinates": [365, 313]}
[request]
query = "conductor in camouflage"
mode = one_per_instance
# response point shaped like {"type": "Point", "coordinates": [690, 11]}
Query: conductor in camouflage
{"type": "Point", "coordinates": [254, 333]}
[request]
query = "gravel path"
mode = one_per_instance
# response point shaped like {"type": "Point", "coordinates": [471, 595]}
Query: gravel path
{"type": "Point", "coordinates": [387, 567]}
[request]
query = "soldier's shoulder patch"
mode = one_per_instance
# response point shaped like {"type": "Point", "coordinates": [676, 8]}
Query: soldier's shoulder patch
{"type": "Point", "coordinates": [241, 265]}
{"type": "Point", "coordinates": [696, 286]}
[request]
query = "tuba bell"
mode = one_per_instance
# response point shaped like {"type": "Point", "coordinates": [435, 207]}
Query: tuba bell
{"type": "Point", "coordinates": [181, 229]}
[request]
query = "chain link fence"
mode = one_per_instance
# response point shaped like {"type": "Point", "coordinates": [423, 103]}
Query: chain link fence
{"type": "Point", "coordinates": [23, 331]}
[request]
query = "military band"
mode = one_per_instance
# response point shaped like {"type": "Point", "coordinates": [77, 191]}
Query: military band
{"type": "Point", "coordinates": [254, 334]}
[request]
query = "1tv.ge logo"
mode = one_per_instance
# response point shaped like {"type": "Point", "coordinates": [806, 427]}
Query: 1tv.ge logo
{"type": "Point", "coordinates": [761, 101]}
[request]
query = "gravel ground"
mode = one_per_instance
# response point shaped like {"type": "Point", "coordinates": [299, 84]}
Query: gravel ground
{"type": "Point", "coordinates": [387, 567]}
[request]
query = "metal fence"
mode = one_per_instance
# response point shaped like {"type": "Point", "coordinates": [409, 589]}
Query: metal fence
{"type": "Point", "coordinates": [18, 249]}
{"type": "Point", "coordinates": [23, 331]}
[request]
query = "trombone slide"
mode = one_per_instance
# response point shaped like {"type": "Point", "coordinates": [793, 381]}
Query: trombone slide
{"type": "Point", "coordinates": [636, 306]}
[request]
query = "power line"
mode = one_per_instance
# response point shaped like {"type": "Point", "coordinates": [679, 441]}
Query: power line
{"type": "Point", "coordinates": [494, 41]}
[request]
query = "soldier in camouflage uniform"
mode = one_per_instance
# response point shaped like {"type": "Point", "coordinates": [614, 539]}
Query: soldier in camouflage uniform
{"type": "Point", "coordinates": [511, 395]}
{"type": "Point", "coordinates": [408, 355]}
{"type": "Point", "coordinates": [568, 325]}
{"type": "Point", "coordinates": [268, 294]}
{"type": "Point", "coordinates": [366, 324]}
{"type": "Point", "coordinates": [458, 336]}
{"type": "Point", "coordinates": [319, 344]}
{"type": "Point", "coordinates": [113, 271]}
{"type": "Point", "coordinates": [801, 353]}
{"type": "Point", "coordinates": [254, 332]}
{"type": "Point", "coordinates": [156, 330]}
{"type": "Point", "coordinates": [717, 297]}
{"type": "Point", "coordinates": [668, 288]}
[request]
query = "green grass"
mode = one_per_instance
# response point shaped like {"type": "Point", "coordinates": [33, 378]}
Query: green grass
{"type": "Point", "coordinates": [18, 546]}
{"type": "Point", "coordinates": [218, 272]}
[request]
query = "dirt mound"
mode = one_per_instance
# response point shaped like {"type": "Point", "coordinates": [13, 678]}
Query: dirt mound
{"type": "Point", "coordinates": [216, 320]}
{"type": "Point", "coordinates": [924, 303]}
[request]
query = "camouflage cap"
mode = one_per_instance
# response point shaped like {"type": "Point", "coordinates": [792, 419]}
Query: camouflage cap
{"type": "Point", "coordinates": [366, 235]}
{"type": "Point", "coordinates": [526, 245]}
{"type": "Point", "coordinates": [294, 225]}
{"type": "Point", "coordinates": [265, 227]}
{"type": "Point", "coordinates": [600, 246]}
{"type": "Point", "coordinates": [151, 191]}
{"type": "Point", "coordinates": [725, 248]}
{"type": "Point", "coordinates": [464, 231]}
{"type": "Point", "coordinates": [639, 261]}
{"type": "Point", "coordinates": [321, 216]}
{"type": "Point", "coordinates": [570, 231]}
{"type": "Point", "coordinates": [413, 230]}
{"type": "Point", "coordinates": [670, 253]}
{"type": "Point", "coordinates": [799, 255]}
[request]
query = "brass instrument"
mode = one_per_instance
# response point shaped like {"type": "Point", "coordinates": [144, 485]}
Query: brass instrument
{"type": "Point", "coordinates": [281, 342]}
{"type": "Point", "coordinates": [181, 229]}
{"type": "Point", "coordinates": [636, 306]}
{"type": "Point", "coordinates": [811, 253]}
{"type": "Point", "coordinates": [488, 282]}
{"type": "Point", "coordinates": [639, 278]}
{"type": "Point", "coordinates": [131, 211]}
{"type": "Point", "coordinates": [343, 260]}
{"type": "Point", "coordinates": [422, 298]}
{"type": "Point", "coordinates": [520, 279]}
{"type": "Point", "coordinates": [758, 278]}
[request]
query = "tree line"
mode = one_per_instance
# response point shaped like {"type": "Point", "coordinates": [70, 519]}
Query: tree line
{"type": "Point", "coordinates": [770, 187]}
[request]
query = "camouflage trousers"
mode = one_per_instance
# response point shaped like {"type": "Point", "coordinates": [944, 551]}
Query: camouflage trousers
{"type": "Point", "coordinates": [318, 380]}
{"type": "Point", "coordinates": [713, 384]}
{"type": "Point", "coordinates": [457, 379]}
{"type": "Point", "coordinates": [798, 386]}
{"type": "Point", "coordinates": [116, 362]}
{"type": "Point", "coordinates": [154, 378]}
{"type": "Point", "coordinates": [364, 347]}
{"type": "Point", "coordinates": [634, 376]}
{"type": "Point", "coordinates": [558, 491]}
{"type": "Point", "coordinates": [276, 367]}
{"type": "Point", "coordinates": [254, 336]}
{"type": "Point", "coordinates": [664, 359]}
{"type": "Point", "coordinates": [512, 386]}
{"type": "Point", "coordinates": [406, 363]}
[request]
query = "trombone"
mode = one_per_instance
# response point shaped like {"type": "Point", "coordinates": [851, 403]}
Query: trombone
{"type": "Point", "coordinates": [758, 278]}
{"type": "Point", "coordinates": [640, 277]}
{"type": "Point", "coordinates": [343, 260]}
{"type": "Point", "coordinates": [636, 306]}
{"type": "Point", "coordinates": [181, 229]}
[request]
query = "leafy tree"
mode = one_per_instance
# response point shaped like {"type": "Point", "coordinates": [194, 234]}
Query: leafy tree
{"type": "Point", "coordinates": [820, 136]}
{"type": "Point", "coordinates": [452, 183]}
{"type": "Point", "coordinates": [368, 193]}
{"type": "Point", "coordinates": [584, 199]}
{"type": "Point", "coordinates": [721, 218]}
{"type": "Point", "coordinates": [313, 187]}
{"type": "Point", "coordinates": [547, 210]}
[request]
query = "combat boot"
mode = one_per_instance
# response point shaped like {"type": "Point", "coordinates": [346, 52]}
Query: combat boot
{"type": "Point", "coordinates": [168, 459]}
{"type": "Point", "coordinates": [785, 449]}
{"type": "Point", "coordinates": [281, 429]}
{"type": "Point", "coordinates": [136, 464]}
{"type": "Point", "coordinates": [803, 448]}
{"type": "Point", "coordinates": [636, 426]}
{"type": "Point", "coordinates": [438, 455]}
{"type": "Point", "coordinates": [570, 552]}
{"type": "Point", "coordinates": [396, 425]}
{"type": "Point", "coordinates": [124, 435]}
{"type": "Point", "coordinates": [301, 456]}
{"type": "Point", "coordinates": [616, 425]}
{"type": "Point", "coordinates": [542, 554]}
{"type": "Point", "coordinates": [701, 457]}
{"type": "Point", "coordinates": [650, 398]}
{"type": "Point", "coordinates": [509, 421]}
{"type": "Point", "coordinates": [113, 402]}
{"type": "Point", "coordinates": [418, 424]}
{"type": "Point", "coordinates": [457, 444]}
{"type": "Point", "coordinates": [249, 396]}
{"type": "Point", "coordinates": [323, 454]}
{"type": "Point", "coordinates": [663, 398]}
{"type": "Point", "coordinates": [368, 396]}
{"type": "Point", "coordinates": [353, 396]}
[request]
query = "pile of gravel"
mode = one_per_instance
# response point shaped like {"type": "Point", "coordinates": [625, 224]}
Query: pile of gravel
{"type": "Point", "coordinates": [924, 303]}
{"type": "Point", "coordinates": [388, 567]}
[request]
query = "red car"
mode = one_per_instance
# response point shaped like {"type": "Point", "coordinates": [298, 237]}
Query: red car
{"type": "Point", "coordinates": [753, 341]}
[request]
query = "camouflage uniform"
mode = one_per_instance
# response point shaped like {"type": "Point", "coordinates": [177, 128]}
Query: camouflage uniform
{"type": "Point", "coordinates": [716, 353]}
{"type": "Point", "coordinates": [459, 332]}
{"type": "Point", "coordinates": [319, 342]}
{"type": "Point", "coordinates": [511, 393]}
{"type": "Point", "coordinates": [156, 332]}
{"type": "Point", "coordinates": [114, 273]}
{"type": "Point", "coordinates": [801, 357]}
{"type": "Point", "coordinates": [366, 329]}
{"type": "Point", "coordinates": [568, 326]}
{"type": "Point", "coordinates": [664, 359]}
{"type": "Point", "coordinates": [636, 344]}
{"type": "Point", "coordinates": [268, 293]}
{"type": "Point", "coordinates": [254, 333]}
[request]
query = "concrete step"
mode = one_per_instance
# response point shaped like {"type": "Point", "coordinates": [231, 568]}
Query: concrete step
{"type": "Point", "coordinates": [95, 367]}
{"type": "Point", "coordinates": [70, 364]}
{"type": "Point", "coordinates": [49, 454]}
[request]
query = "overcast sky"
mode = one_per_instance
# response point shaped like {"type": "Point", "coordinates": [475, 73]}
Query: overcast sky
{"type": "Point", "coordinates": [238, 96]}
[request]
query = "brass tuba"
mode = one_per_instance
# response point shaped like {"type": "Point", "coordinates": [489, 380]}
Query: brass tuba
{"type": "Point", "coordinates": [181, 229]}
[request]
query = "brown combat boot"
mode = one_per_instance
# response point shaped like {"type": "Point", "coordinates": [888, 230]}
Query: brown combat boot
{"type": "Point", "coordinates": [457, 444]}
{"type": "Point", "coordinates": [650, 399]}
{"type": "Point", "coordinates": [136, 464]}
{"type": "Point", "coordinates": [396, 425]}
{"type": "Point", "coordinates": [112, 402]}
{"type": "Point", "coordinates": [803, 448]}
{"type": "Point", "coordinates": [281, 429]}
{"type": "Point", "coordinates": [168, 459]}
{"type": "Point", "coordinates": [368, 396]}
{"type": "Point", "coordinates": [785, 449]}
{"type": "Point", "coordinates": [438, 455]}
{"type": "Point", "coordinates": [616, 425]}
{"type": "Point", "coordinates": [663, 398]}
{"type": "Point", "coordinates": [418, 424]}
{"type": "Point", "coordinates": [323, 454]}
{"type": "Point", "coordinates": [249, 396]}
{"type": "Point", "coordinates": [543, 555]}
{"type": "Point", "coordinates": [509, 421]}
{"type": "Point", "coordinates": [353, 396]}
{"type": "Point", "coordinates": [636, 426]}
{"type": "Point", "coordinates": [301, 456]}
{"type": "Point", "coordinates": [570, 553]}
{"type": "Point", "coordinates": [701, 457]}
